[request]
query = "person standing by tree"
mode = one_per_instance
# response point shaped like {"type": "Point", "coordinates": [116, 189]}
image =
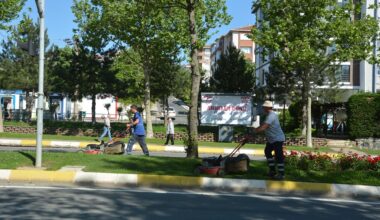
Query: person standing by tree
{"type": "Point", "coordinates": [170, 132]}
{"type": "Point", "coordinates": [275, 140]}
{"type": "Point", "coordinates": [138, 133]}
{"type": "Point", "coordinates": [106, 129]}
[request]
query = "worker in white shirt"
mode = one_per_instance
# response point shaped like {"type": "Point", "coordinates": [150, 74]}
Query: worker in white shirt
{"type": "Point", "coordinates": [170, 132]}
{"type": "Point", "coordinates": [106, 129]}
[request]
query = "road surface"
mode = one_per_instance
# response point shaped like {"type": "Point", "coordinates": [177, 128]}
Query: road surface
{"type": "Point", "coordinates": [39, 202]}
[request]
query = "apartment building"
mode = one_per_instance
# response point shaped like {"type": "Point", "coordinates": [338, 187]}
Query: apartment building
{"type": "Point", "coordinates": [236, 37]}
{"type": "Point", "coordinates": [204, 58]}
{"type": "Point", "coordinates": [354, 76]}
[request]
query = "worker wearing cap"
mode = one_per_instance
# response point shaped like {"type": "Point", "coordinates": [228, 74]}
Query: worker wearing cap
{"type": "Point", "coordinates": [275, 139]}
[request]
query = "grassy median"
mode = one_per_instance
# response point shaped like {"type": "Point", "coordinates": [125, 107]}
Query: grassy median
{"type": "Point", "coordinates": [174, 166]}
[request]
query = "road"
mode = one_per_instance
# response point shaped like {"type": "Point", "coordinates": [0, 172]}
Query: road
{"type": "Point", "coordinates": [161, 154]}
{"type": "Point", "coordinates": [180, 108]}
{"type": "Point", "coordinates": [39, 202]}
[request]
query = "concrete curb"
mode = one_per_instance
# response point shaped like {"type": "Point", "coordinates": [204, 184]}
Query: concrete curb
{"type": "Point", "coordinates": [91, 178]}
{"type": "Point", "coordinates": [152, 147]}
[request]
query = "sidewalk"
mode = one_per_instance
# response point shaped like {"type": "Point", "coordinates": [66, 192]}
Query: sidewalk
{"type": "Point", "coordinates": [241, 185]}
{"type": "Point", "coordinates": [152, 147]}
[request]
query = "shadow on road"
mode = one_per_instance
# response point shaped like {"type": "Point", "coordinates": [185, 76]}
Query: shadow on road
{"type": "Point", "coordinates": [35, 203]}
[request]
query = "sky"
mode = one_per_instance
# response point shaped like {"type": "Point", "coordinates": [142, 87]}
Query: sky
{"type": "Point", "coordinates": [60, 25]}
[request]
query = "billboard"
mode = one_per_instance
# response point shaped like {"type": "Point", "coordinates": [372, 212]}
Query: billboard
{"type": "Point", "coordinates": [226, 109]}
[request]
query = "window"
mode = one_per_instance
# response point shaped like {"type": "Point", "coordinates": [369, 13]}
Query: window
{"type": "Point", "coordinates": [343, 73]}
{"type": "Point", "coordinates": [247, 50]}
{"type": "Point", "coordinates": [244, 37]}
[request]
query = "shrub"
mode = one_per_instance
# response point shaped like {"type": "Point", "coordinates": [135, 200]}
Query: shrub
{"type": "Point", "coordinates": [364, 115]}
{"type": "Point", "coordinates": [321, 162]}
{"type": "Point", "coordinates": [290, 122]}
{"type": "Point", "coordinates": [295, 111]}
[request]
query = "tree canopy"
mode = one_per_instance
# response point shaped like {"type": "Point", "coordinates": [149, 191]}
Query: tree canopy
{"type": "Point", "coordinates": [9, 10]}
{"type": "Point", "coordinates": [233, 73]}
{"type": "Point", "coordinates": [306, 41]}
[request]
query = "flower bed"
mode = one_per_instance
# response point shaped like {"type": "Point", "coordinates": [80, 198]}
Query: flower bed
{"type": "Point", "coordinates": [323, 162]}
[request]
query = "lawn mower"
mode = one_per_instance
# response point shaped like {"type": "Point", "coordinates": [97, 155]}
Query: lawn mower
{"type": "Point", "coordinates": [222, 165]}
{"type": "Point", "coordinates": [114, 147]}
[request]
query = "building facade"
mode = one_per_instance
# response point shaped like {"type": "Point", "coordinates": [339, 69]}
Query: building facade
{"type": "Point", "coordinates": [353, 76]}
{"type": "Point", "coordinates": [14, 102]}
{"type": "Point", "coordinates": [238, 38]}
{"type": "Point", "coordinates": [204, 58]}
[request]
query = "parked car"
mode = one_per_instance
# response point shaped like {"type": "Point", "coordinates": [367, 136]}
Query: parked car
{"type": "Point", "coordinates": [171, 112]}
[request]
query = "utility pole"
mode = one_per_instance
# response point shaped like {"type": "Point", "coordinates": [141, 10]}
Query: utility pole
{"type": "Point", "coordinates": [40, 108]}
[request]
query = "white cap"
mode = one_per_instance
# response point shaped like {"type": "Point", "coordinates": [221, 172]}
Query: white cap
{"type": "Point", "coordinates": [268, 104]}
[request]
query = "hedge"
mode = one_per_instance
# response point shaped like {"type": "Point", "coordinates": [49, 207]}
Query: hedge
{"type": "Point", "coordinates": [118, 126]}
{"type": "Point", "coordinates": [363, 111]}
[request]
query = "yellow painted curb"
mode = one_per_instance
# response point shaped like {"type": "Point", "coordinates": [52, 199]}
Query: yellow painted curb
{"type": "Point", "coordinates": [152, 147]}
{"type": "Point", "coordinates": [28, 142]}
{"type": "Point", "coordinates": [258, 152]}
{"type": "Point", "coordinates": [42, 176]}
{"type": "Point", "coordinates": [297, 186]}
{"type": "Point", "coordinates": [159, 180]}
{"type": "Point", "coordinates": [211, 150]}
{"type": "Point", "coordinates": [46, 143]}
{"type": "Point", "coordinates": [33, 143]}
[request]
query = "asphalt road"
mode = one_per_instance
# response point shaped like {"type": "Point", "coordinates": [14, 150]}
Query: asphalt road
{"type": "Point", "coordinates": [161, 154]}
{"type": "Point", "coordinates": [33, 202]}
{"type": "Point", "coordinates": [180, 108]}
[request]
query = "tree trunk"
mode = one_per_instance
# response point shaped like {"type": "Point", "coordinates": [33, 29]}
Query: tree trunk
{"type": "Point", "coordinates": [76, 112]}
{"type": "Point", "coordinates": [304, 109]}
{"type": "Point", "coordinates": [1, 119]}
{"type": "Point", "coordinates": [93, 107]}
{"type": "Point", "coordinates": [149, 127]}
{"type": "Point", "coordinates": [309, 141]}
{"type": "Point", "coordinates": [167, 106]}
{"type": "Point", "coordinates": [192, 148]}
{"type": "Point", "coordinates": [164, 111]}
{"type": "Point", "coordinates": [29, 105]}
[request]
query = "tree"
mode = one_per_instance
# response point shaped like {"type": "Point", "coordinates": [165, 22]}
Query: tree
{"type": "Point", "coordinates": [233, 73]}
{"type": "Point", "coordinates": [93, 60]}
{"type": "Point", "coordinates": [308, 39]}
{"type": "Point", "coordinates": [128, 69]}
{"type": "Point", "coordinates": [19, 60]}
{"type": "Point", "coordinates": [147, 31]}
{"type": "Point", "coordinates": [194, 19]}
{"type": "Point", "coordinates": [170, 78]}
{"type": "Point", "coordinates": [9, 10]}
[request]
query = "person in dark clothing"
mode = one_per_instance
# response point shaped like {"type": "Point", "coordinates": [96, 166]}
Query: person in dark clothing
{"type": "Point", "coordinates": [275, 141]}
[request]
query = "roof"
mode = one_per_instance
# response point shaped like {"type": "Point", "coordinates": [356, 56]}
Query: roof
{"type": "Point", "coordinates": [245, 28]}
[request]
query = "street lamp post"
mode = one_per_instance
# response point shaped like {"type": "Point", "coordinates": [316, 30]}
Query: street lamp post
{"type": "Point", "coordinates": [40, 108]}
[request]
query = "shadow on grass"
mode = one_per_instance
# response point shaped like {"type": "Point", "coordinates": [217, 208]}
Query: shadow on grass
{"type": "Point", "coordinates": [29, 156]}
{"type": "Point", "coordinates": [152, 165]}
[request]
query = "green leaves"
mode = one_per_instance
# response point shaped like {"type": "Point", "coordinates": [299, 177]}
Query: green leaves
{"type": "Point", "coordinates": [19, 67]}
{"type": "Point", "coordinates": [309, 38]}
{"type": "Point", "coordinates": [9, 10]}
{"type": "Point", "coordinates": [233, 73]}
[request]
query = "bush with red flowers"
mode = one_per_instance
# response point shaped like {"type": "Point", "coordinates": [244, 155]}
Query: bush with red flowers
{"type": "Point", "coordinates": [324, 162]}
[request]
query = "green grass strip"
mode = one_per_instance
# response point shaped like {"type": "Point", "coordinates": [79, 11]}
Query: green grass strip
{"type": "Point", "coordinates": [175, 166]}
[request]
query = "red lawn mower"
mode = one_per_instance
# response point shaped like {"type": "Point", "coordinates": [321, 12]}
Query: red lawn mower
{"type": "Point", "coordinates": [229, 164]}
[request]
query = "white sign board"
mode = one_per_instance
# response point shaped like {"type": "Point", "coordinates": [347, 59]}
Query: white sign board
{"type": "Point", "coordinates": [221, 109]}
